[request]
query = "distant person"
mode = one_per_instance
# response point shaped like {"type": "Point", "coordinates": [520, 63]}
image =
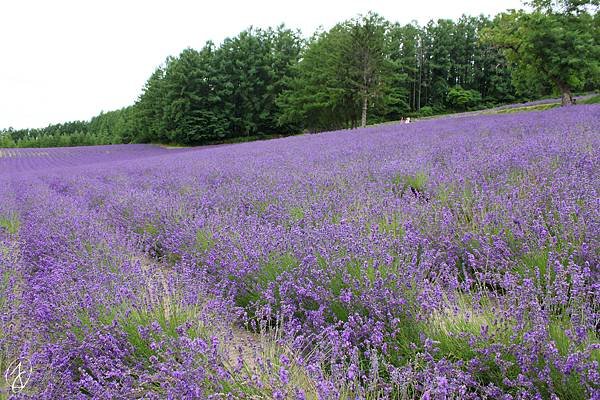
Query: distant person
{"type": "Point", "coordinates": [407, 120]}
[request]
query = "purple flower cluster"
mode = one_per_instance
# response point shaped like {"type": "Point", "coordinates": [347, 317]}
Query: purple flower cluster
{"type": "Point", "coordinates": [450, 258]}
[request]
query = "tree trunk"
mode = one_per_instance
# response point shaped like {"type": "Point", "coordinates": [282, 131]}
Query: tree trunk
{"type": "Point", "coordinates": [419, 86]}
{"type": "Point", "coordinates": [363, 120]}
{"type": "Point", "coordinates": [414, 91]}
{"type": "Point", "coordinates": [565, 93]}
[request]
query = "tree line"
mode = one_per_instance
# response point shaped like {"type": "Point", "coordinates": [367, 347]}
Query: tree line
{"type": "Point", "coordinates": [266, 82]}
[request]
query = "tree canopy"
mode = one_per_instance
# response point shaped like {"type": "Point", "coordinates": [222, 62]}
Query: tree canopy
{"type": "Point", "coordinates": [268, 82]}
{"type": "Point", "coordinates": [557, 43]}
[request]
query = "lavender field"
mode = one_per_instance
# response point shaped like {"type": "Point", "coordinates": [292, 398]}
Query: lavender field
{"type": "Point", "coordinates": [455, 258]}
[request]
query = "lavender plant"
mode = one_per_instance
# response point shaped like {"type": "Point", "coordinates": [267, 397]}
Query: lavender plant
{"type": "Point", "coordinates": [450, 258]}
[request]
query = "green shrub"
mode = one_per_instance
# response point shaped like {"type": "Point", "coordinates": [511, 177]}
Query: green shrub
{"type": "Point", "coordinates": [426, 111]}
{"type": "Point", "coordinates": [461, 99]}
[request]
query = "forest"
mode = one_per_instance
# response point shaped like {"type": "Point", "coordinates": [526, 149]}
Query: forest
{"type": "Point", "coordinates": [271, 82]}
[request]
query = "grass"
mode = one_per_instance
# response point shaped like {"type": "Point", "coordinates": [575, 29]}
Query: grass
{"type": "Point", "coordinates": [261, 207]}
{"type": "Point", "coordinates": [391, 225]}
{"type": "Point", "coordinates": [296, 214]}
{"type": "Point", "coordinates": [461, 200]}
{"type": "Point", "coordinates": [269, 271]}
{"type": "Point", "coordinates": [203, 243]}
{"type": "Point", "coordinates": [204, 240]}
{"type": "Point", "coordinates": [464, 209]}
{"type": "Point", "coordinates": [415, 183]}
{"type": "Point", "coordinates": [556, 330]}
{"type": "Point", "coordinates": [266, 346]}
{"type": "Point", "coordinates": [10, 223]}
{"type": "Point", "coordinates": [592, 100]}
{"type": "Point", "coordinates": [535, 265]}
{"type": "Point", "coordinates": [538, 107]}
{"type": "Point", "coordinates": [148, 228]}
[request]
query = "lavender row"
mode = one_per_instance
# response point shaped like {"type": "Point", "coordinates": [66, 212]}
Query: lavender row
{"type": "Point", "coordinates": [449, 258]}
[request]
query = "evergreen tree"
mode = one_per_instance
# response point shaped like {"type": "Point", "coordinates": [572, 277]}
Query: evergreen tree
{"type": "Point", "coordinates": [363, 52]}
{"type": "Point", "coordinates": [320, 97]}
{"type": "Point", "coordinates": [150, 108]}
{"type": "Point", "coordinates": [192, 107]}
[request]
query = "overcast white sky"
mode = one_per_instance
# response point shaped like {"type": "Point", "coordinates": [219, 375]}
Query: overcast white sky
{"type": "Point", "coordinates": [64, 60]}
